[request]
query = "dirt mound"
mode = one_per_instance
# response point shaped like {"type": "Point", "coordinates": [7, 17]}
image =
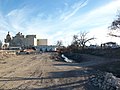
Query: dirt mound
{"type": "Point", "coordinates": [6, 54]}
{"type": "Point", "coordinates": [40, 72]}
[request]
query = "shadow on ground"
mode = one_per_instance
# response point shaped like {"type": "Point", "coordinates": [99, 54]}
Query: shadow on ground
{"type": "Point", "coordinates": [72, 78]}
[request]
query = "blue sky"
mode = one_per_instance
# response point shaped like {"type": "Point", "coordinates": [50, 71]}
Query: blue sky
{"type": "Point", "coordinates": [58, 19]}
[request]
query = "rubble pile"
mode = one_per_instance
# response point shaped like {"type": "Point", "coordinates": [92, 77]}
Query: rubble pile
{"type": "Point", "coordinates": [105, 81]}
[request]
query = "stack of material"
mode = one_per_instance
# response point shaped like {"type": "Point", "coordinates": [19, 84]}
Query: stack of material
{"type": "Point", "coordinates": [106, 81]}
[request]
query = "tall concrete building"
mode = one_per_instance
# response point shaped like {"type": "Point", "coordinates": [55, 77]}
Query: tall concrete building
{"type": "Point", "coordinates": [20, 40]}
{"type": "Point", "coordinates": [30, 40]}
{"type": "Point", "coordinates": [17, 41]}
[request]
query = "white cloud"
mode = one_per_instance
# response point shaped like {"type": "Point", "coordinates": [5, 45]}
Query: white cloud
{"type": "Point", "coordinates": [74, 8]}
{"type": "Point", "coordinates": [64, 26]}
{"type": "Point", "coordinates": [97, 21]}
{"type": "Point", "coordinates": [101, 35]}
{"type": "Point", "coordinates": [15, 18]}
{"type": "Point", "coordinates": [101, 18]}
{"type": "Point", "coordinates": [105, 11]}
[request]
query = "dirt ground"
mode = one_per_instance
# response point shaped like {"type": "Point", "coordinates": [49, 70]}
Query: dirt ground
{"type": "Point", "coordinates": [39, 72]}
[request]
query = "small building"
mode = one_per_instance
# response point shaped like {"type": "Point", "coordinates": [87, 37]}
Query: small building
{"type": "Point", "coordinates": [46, 48]}
{"type": "Point", "coordinates": [42, 42]}
{"type": "Point", "coordinates": [109, 45]}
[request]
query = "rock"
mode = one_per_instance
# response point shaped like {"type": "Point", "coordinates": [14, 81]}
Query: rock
{"type": "Point", "coordinates": [106, 81]}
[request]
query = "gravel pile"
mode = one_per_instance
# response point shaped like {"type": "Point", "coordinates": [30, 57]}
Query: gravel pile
{"type": "Point", "coordinates": [105, 81]}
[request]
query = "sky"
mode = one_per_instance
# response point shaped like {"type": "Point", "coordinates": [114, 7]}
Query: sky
{"type": "Point", "coordinates": [59, 19]}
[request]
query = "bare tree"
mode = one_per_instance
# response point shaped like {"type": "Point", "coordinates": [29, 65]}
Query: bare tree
{"type": "Point", "coordinates": [59, 43]}
{"type": "Point", "coordinates": [75, 41]}
{"type": "Point", "coordinates": [81, 39]}
{"type": "Point", "coordinates": [115, 26]}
